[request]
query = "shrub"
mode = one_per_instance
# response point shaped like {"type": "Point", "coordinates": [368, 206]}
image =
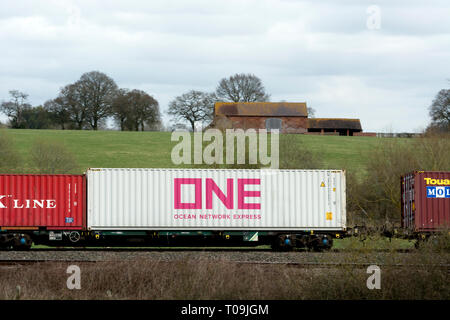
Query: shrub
{"type": "Point", "coordinates": [376, 195]}
{"type": "Point", "coordinates": [49, 157]}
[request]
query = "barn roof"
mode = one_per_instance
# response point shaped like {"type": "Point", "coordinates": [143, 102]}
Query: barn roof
{"type": "Point", "coordinates": [334, 123]}
{"type": "Point", "coordinates": [261, 109]}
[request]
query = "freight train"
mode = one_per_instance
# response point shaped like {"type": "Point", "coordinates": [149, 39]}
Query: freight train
{"type": "Point", "coordinates": [195, 207]}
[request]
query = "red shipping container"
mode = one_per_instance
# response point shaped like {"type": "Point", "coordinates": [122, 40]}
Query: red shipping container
{"type": "Point", "coordinates": [425, 200]}
{"type": "Point", "coordinates": [53, 202]}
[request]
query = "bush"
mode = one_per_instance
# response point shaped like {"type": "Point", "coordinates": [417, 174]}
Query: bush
{"type": "Point", "coordinates": [356, 201]}
{"type": "Point", "coordinates": [433, 151]}
{"type": "Point", "coordinates": [50, 157]}
{"type": "Point", "coordinates": [437, 243]}
{"type": "Point", "coordinates": [376, 195]}
{"type": "Point", "coordinates": [211, 278]}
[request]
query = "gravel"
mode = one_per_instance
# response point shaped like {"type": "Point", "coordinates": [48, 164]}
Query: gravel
{"type": "Point", "coordinates": [211, 255]}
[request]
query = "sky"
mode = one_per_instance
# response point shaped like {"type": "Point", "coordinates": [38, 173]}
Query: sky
{"type": "Point", "coordinates": [380, 61]}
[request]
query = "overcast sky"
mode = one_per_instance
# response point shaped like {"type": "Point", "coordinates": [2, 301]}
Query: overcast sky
{"type": "Point", "coordinates": [341, 59]}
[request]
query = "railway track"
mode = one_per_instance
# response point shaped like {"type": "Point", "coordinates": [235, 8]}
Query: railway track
{"type": "Point", "coordinates": [303, 265]}
{"type": "Point", "coordinates": [17, 262]}
{"type": "Point", "coordinates": [204, 249]}
{"type": "Point", "coordinates": [342, 265]}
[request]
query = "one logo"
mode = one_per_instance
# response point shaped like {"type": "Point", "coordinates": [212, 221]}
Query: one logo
{"type": "Point", "coordinates": [438, 192]}
{"type": "Point", "coordinates": [228, 199]}
{"type": "Point", "coordinates": [69, 220]}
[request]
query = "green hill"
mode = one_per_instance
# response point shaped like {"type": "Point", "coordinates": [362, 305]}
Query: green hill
{"type": "Point", "coordinates": [153, 149]}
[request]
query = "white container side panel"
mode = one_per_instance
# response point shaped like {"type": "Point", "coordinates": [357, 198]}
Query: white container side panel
{"type": "Point", "coordinates": [200, 199]}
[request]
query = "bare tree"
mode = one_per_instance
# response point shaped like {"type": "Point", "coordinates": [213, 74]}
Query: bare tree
{"type": "Point", "coordinates": [440, 110]}
{"type": "Point", "coordinates": [145, 109]}
{"type": "Point", "coordinates": [121, 108]}
{"type": "Point", "coordinates": [70, 98]}
{"type": "Point", "coordinates": [59, 111]}
{"type": "Point", "coordinates": [135, 110]}
{"type": "Point", "coordinates": [95, 92]}
{"type": "Point", "coordinates": [15, 108]}
{"type": "Point", "coordinates": [242, 88]}
{"type": "Point", "coordinates": [311, 112]}
{"type": "Point", "coordinates": [192, 106]}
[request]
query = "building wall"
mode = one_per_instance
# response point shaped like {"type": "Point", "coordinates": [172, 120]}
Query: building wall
{"type": "Point", "coordinates": [289, 124]}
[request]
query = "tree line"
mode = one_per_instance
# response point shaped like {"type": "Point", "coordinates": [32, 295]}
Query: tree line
{"type": "Point", "coordinates": [87, 103]}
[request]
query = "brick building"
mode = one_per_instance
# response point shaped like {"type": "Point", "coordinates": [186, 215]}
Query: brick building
{"type": "Point", "coordinates": [288, 117]}
{"type": "Point", "coordinates": [342, 127]}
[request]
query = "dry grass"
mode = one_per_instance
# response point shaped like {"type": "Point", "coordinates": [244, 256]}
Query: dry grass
{"type": "Point", "coordinates": [224, 280]}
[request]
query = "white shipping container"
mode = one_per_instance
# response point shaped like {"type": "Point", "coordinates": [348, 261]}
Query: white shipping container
{"type": "Point", "coordinates": [211, 199]}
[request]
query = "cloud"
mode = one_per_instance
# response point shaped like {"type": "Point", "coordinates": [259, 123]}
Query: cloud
{"type": "Point", "coordinates": [321, 53]}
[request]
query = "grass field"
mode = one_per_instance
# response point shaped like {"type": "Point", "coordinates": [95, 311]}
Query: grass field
{"type": "Point", "coordinates": [153, 149]}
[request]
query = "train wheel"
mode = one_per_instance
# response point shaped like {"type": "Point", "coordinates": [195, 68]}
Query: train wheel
{"type": "Point", "coordinates": [320, 243]}
{"type": "Point", "coordinates": [329, 245]}
{"type": "Point", "coordinates": [283, 243]}
{"type": "Point", "coordinates": [22, 242]}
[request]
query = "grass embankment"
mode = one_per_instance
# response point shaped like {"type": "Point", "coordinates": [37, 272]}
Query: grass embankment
{"type": "Point", "coordinates": [418, 277]}
{"type": "Point", "coordinates": [373, 243]}
{"type": "Point", "coordinates": [153, 149]}
{"type": "Point", "coordinates": [419, 274]}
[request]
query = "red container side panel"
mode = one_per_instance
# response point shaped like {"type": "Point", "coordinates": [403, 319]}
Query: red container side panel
{"type": "Point", "coordinates": [50, 201]}
{"type": "Point", "coordinates": [426, 201]}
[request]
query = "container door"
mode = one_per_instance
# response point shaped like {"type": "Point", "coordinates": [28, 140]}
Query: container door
{"type": "Point", "coordinates": [408, 206]}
